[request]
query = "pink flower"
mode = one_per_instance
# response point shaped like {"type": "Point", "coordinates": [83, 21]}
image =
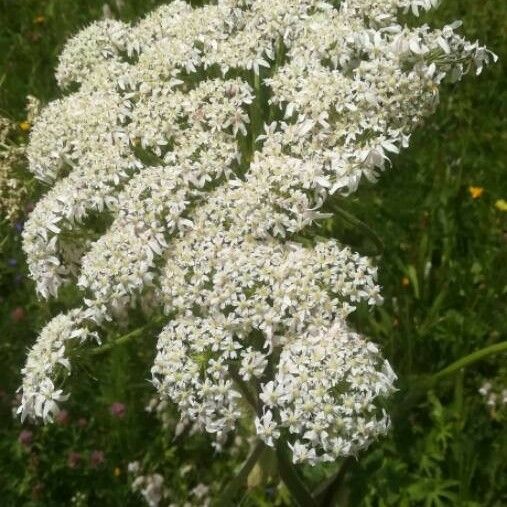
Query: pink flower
{"type": "Point", "coordinates": [73, 459]}
{"type": "Point", "coordinates": [96, 458]}
{"type": "Point", "coordinates": [25, 438]}
{"type": "Point", "coordinates": [117, 409]}
{"type": "Point", "coordinates": [62, 417]}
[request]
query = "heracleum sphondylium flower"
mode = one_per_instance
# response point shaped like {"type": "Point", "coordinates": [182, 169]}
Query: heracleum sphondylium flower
{"type": "Point", "coordinates": [163, 135]}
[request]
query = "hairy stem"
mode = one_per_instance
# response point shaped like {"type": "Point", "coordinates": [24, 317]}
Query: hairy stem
{"type": "Point", "coordinates": [327, 490]}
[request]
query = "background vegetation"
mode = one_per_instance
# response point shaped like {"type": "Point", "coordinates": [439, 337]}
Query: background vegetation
{"type": "Point", "coordinates": [443, 266]}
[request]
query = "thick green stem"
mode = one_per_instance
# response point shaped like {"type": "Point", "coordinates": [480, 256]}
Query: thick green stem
{"type": "Point", "coordinates": [291, 478]}
{"type": "Point", "coordinates": [226, 499]}
{"type": "Point", "coordinates": [328, 489]}
{"type": "Point", "coordinates": [472, 358]}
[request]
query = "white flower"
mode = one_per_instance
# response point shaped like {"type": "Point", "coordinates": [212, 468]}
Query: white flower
{"type": "Point", "coordinates": [267, 429]}
{"type": "Point", "coordinates": [331, 382]}
{"type": "Point", "coordinates": [47, 358]}
{"type": "Point", "coordinates": [200, 491]}
{"type": "Point", "coordinates": [133, 467]}
{"type": "Point", "coordinates": [302, 453]}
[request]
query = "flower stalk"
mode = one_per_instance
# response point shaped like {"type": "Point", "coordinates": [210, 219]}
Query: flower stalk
{"type": "Point", "coordinates": [469, 360]}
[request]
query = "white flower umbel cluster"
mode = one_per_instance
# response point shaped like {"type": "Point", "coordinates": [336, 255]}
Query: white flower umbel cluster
{"type": "Point", "coordinates": [494, 394]}
{"type": "Point", "coordinates": [324, 394]}
{"type": "Point", "coordinates": [208, 139]}
{"type": "Point", "coordinates": [45, 364]}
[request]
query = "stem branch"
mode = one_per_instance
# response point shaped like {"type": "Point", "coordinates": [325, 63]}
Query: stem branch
{"type": "Point", "coordinates": [245, 391]}
{"type": "Point", "coordinates": [291, 478]}
{"type": "Point", "coordinates": [352, 220]}
{"type": "Point", "coordinates": [470, 359]}
{"type": "Point", "coordinates": [227, 497]}
{"type": "Point", "coordinates": [126, 338]}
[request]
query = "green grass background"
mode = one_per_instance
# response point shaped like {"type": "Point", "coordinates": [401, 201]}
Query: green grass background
{"type": "Point", "coordinates": [443, 269]}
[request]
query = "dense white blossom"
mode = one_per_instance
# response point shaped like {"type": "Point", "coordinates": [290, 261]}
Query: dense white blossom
{"type": "Point", "coordinates": [325, 393]}
{"type": "Point", "coordinates": [209, 138]}
{"type": "Point", "coordinates": [46, 362]}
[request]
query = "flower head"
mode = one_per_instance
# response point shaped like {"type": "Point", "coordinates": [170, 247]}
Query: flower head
{"type": "Point", "coordinates": [208, 197]}
{"type": "Point", "coordinates": [118, 409]}
{"type": "Point", "coordinates": [501, 205]}
{"type": "Point", "coordinates": [97, 458]}
{"type": "Point", "coordinates": [73, 459]}
{"type": "Point", "coordinates": [475, 192]}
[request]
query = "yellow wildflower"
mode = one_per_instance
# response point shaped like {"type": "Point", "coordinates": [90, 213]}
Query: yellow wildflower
{"type": "Point", "coordinates": [501, 205]}
{"type": "Point", "coordinates": [39, 20]}
{"type": "Point", "coordinates": [475, 192]}
{"type": "Point", "coordinates": [25, 126]}
{"type": "Point", "coordinates": [117, 472]}
{"type": "Point", "coordinates": [405, 281]}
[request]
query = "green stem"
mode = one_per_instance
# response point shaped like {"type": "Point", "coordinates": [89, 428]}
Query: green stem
{"type": "Point", "coordinates": [227, 497]}
{"type": "Point", "coordinates": [256, 112]}
{"type": "Point", "coordinates": [245, 391]}
{"type": "Point", "coordinates": [3, 242]}
{"type": "Point", "coordinates": [472, 358]}
{"type": "Point", "coordinates": [326, 491]}
{"type": "Point", "coordinates": [352, 220]}
{"type": "Point", "coordinates": [104, 349]}
{"type": "Point", "coordinates": [420, 386]}
{"type": "Point", "coordinates": [291, 478]}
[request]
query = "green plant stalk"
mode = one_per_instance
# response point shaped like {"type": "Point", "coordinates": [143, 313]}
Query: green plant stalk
{"type": "Point", "coordinates": [226, 499]}
{"type": "Point", "coordinates": [245, 391]}
{"type": "Point", "coordinates": [288, 473]}
{"type": "Point", "coordinates": [104, 349]}
{"type": "Point", "coordinates": [327, 490]}
{"type": "Point", "coordinates": [291, 478]}
{"type": "Point", "coordinates": [256, 113]}
{"type": "Point", "coordinates": [352, 220]}
{"type": "Point", "coordinates": [468, 360]}
{"type": "Point", "coordinates": [419, 387]}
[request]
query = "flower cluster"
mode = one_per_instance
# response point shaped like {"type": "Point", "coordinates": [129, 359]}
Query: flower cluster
{"type": "Point", "coordinates": [323, 395]}
{"type": "Point", "coordinates": [494, 394]}
{"type": "Point", "coordinates": [150, 486]}
{"type": "Point", "coordinates": [208, 139]}
{"type": "Point", "coordinates": [45, 362]}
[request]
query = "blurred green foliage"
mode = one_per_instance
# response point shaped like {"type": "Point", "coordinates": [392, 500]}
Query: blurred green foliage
{"type": "Point", "coordinates": [443, 268]}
